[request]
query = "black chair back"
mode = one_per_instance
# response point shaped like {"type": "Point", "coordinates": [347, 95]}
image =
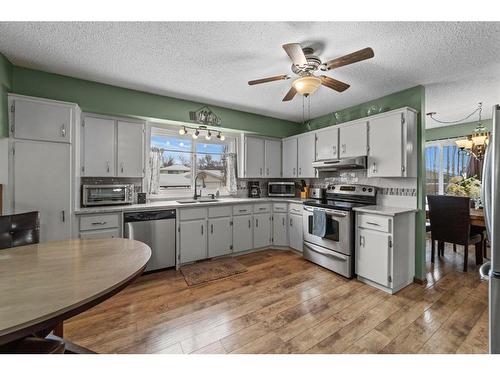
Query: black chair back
{"type": "Point", "coordinates": [450, 218]}
{"type": "Point", "coordinates": [19, 229]}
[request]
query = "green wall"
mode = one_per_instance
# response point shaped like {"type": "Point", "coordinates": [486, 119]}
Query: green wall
{"type": "Point", "coordinates": [111, 100]}
{"type": "Point", "coordinates": [413, 97]}
{"type": "Point", "coordinates": [454, 131]}
{"type": "Point", "coordinates": [5, 87]}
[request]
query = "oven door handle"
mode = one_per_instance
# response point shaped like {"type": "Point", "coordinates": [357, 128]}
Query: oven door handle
{"type": "Point", "coordinates": [317, 249]}
{"type": "Point", "coordinates": [329, 212]}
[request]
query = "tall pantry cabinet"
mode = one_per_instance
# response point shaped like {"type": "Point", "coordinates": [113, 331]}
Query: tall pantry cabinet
{"type": "Point", "coordinates": [41, 162]}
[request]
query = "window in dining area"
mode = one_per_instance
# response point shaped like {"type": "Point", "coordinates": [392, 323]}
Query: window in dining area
{"type": "Point", "coordinates": [444, 160]}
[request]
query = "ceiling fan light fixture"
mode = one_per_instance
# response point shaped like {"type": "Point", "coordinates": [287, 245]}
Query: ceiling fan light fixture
{"type": "Point", "coordinates": [306, 85]}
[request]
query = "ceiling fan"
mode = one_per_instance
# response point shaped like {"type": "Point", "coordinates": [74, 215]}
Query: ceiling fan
{"type": "Point", "coordinates": [305, 64]}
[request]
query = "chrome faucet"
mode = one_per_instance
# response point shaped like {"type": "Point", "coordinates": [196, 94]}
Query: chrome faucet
{"type": "Point", "coordinates": [196, 184]}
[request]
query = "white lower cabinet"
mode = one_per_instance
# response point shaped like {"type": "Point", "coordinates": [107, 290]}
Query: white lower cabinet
{"type": "Point", "coordinates": [280, 229]}
{"type": "Point", "coordinates": [385, 250]}
{"type": "Point", "coordinates": [219, 237]}
{"type": "Point", "coordinates": [193, 240]}
{"type": "Point", "coordinates": [105, 225]}
{"type": "Point", "coordinates": [242, 233]}
{"type": "Point", "coordinates": [95, 234]}
{"type": "Point", "coordinates": [225, 229]}
{"type": "Point", "coordinates": [261, 230]}
{"type": "Point", "coordinates": [295, 236]}
{"type": "Point", "coordinates": [372, 257]}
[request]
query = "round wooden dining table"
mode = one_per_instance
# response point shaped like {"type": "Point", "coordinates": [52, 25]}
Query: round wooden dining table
{"type": "Point", "coordinates": [44, 284]}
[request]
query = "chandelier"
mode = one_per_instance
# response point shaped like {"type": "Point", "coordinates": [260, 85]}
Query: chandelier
{"type": "Point", "coordinates": [474, 144]}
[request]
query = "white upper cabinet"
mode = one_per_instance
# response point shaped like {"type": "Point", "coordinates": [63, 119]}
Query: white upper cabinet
{"type": "Point", "coordinates": [112, 148]}
{"type": "Point", "coordinates": [98, 147]}
{"type": "Point", "coordinates": [327, 144]}
{"type": "Point", "coordinates": [41, 121]}
{"type": "Point", "coordinates": [261, 157]}
{"type": "Point", "coordinates": [290, 157]}
{"type": "Point", "coordinates": [254, 157]}
{"type": "Point", "coordinates": [130, 144]}
{"type": "Point", "coordinates": [272, 158]}
{"type": "Point", "coordinates": [306, 155]}
{"type": "Point", "coordinates": [353, 140]}
{"type": "Point", "coordinates": [392, 145]}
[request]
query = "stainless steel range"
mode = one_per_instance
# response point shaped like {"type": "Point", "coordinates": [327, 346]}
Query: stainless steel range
{"type": "Point", "coordinates": [332, 245]}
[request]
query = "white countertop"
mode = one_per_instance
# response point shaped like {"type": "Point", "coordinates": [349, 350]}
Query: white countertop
{"type": "Point", "coordinates": [384, 210]}
{"type": "Point", "coordinates": [173, 204]}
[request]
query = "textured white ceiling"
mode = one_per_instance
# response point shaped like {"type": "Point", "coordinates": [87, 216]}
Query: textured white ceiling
{"type": "Point", "coordinates": [211, 62]}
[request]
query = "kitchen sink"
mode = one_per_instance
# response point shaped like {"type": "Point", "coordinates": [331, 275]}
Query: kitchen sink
{"type": "Point", "coordinates": [202, 200]}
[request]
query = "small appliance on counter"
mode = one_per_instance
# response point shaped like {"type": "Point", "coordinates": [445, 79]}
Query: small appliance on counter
{"type": "Point", "coordinates": [281, 189]}
{"type": "Point", "coordinates": [316, 193]}
{"type": "Point", "coordinates": [141, 198]}
{"type": "Point", "coordinates": [253, 189]}
{"type": "Point", "coordinates": [103, 195]}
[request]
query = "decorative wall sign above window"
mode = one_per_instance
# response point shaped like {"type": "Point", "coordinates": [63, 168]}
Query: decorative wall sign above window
{"type": "Point", "coordinates": [205, 116]}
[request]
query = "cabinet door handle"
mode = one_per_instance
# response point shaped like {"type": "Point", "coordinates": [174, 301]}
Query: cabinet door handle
{"type": "Point", "coordinates": [261, 171]}
{"type": "Point", "coordinates": [242, 210]}
{"type": "Point", "coordinates": [293, 171]}
{"type": "Point", "coordinates": [98, 223]}
{"type": "Point", "coordinates": [211, 228]}
{"type": "Point", "coordinates": [267, 170]}
{"type": "Point", "coordinates": [344, 148]}
{"type": "Point", "coordinates": [300, 170]}
{"type": "Point", "coordinates": [283, 221]}
{"type": "Point", "coordinates": [334, 149]}
{"type": "Point", "coordinates": [122, 166]}
{"type": "Point", "coordinates": [372, 223]}
{"type": "Point", "coordinates": [202, 229]}
{"type": "Point", "coordinates": [63, 131]}
{"type": "Point", "coordinates": [256, 223]}
{"type": "Point", "coordinates": [63, 216]}
{"type": "Point", "coordinates": [249, 223]}
{"type": "Point", "coordinates": [291, 221]}
{"type": "Point", "coordinates": [374, 169]}
{"type": "Point", "coordinates": [107, 166]}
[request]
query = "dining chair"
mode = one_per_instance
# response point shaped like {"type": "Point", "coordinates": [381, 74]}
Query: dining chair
{"type": "Point", "coordinates": [19, 230]}
{"type": "Point", "coordinates": [450, 222]}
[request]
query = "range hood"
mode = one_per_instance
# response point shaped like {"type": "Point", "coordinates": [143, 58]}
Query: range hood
{"type": "Point", "coordinates": [340, 164]}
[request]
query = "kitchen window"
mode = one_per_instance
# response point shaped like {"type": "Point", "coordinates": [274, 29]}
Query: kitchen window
{"type": "Point", "coordinates": [443, 160]}
{"type": "Point", "coordinates": [182, 158]}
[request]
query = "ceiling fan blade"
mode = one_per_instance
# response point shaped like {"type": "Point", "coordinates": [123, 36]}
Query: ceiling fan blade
{"type": "Point", "coordinates": [294, 51]}
{"type": "Point", "coordinates": [362, 54]}
{"type": "Point", "coordinates": [334, 84]}
{"type": "Point", "coordinates": [290, 94]}
{"type": "Point", "coordinates": [269, 79]}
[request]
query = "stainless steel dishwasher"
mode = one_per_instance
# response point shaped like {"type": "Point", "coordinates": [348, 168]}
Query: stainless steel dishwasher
{"type": "Point", "coordinates": [157, 230]}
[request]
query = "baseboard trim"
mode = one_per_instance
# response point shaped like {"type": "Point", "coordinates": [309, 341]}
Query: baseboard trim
{"type": "Point", "coordinates": [419, 281]}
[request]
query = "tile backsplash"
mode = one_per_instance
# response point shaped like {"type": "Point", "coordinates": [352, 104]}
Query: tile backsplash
{"type": "Point", "coordinates": [398, 192]}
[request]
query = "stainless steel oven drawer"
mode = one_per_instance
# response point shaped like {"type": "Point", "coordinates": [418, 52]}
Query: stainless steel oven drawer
{"type": "Point", "coordinates": [336, 262]}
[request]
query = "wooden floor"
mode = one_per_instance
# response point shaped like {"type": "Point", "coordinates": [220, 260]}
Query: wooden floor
{"type": "Point", "coordinates": [284, 304]}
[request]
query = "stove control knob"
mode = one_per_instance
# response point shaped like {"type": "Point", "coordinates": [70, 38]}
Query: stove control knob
{"type": "Point", "coordinates": [370, 190]}
{"type": "Point", "coordinates": [364, 189]}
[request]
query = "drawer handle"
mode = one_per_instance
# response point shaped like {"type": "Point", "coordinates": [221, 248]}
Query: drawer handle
{"type": "Point", "coordinates": [261, 208]}
{"type": "Point", "coordinates": [99, 223]}
{"type": "Point", "coordinates": [372, 223]}
{"type": "Point", "coordinates": [242, 210]}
